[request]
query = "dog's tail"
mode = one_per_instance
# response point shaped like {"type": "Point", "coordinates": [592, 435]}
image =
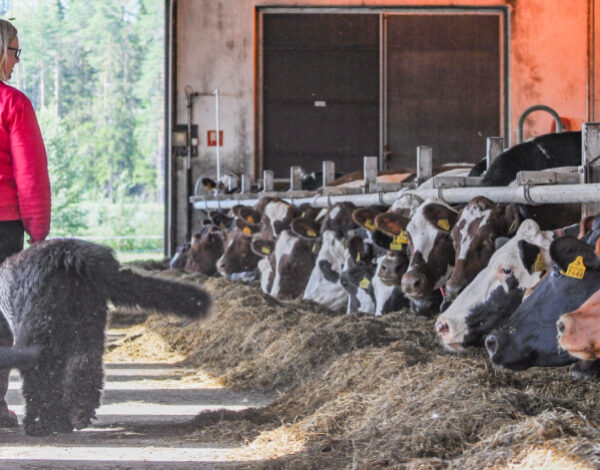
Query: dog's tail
{"type": "Point", "coordinates": [130, 289]}
{"type": "Point", "coordinates": [18, 357]}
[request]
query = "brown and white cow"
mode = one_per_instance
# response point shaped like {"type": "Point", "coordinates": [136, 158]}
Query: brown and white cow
{"type": "Point", "coordinates": [474, 235]}
{"type": "Point", "coordinates": [431, 251]}
{"type": "Point", "coordinates": [206, 247]}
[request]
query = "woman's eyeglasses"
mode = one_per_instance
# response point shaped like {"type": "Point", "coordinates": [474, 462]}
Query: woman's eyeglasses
{"type": "Point", "coordinates": [17, 51]}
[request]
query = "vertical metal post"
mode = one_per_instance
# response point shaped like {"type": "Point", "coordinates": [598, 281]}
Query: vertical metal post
{"type": "Point", "coordinates": [494, 147]}
{"type": "Point", "coordinates": [268, 181]}
{"type": "Point", "coordinates": [370, 172]}
{"type": "Point", "coordinates": [295, 178]}
{"type": "Point", "coordinates": [590, 159]}
{"type": "Point", "coordinates": [328, 172]}
{"type": "Point", "coordinates": [424, 163]}
{"type": "Point", "coordinates": [244, 184]}
{"type": "Point", "coordinates": [218, 136]}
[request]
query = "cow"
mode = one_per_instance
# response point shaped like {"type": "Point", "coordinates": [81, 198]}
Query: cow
{"type": "Point", "coordinates": [543, 152]}
{"type": "Point", "coordinates": [431, 252]}
{"type": "Point", "coordinates": [529, 337]}
{"type": "Point", "coordinates": [205, 249]}
{"type": "Point", "coordinates": [238, 259]}
{"type": "Point", "coordinates": [497, 290]}
{"type": "Point", "coordinates": [478, 226]}
{"type": "Point", "coordinates": [579, 330]}
{"type": "Point", "coordinates": [357, 274]}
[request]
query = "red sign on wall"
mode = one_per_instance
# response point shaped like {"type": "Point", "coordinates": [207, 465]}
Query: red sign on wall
{"type": "Point", "coordinates": [211, 138]}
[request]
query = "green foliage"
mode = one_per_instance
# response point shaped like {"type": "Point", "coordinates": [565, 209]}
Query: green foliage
{"type": "Point", "coordinates": [94, 71]}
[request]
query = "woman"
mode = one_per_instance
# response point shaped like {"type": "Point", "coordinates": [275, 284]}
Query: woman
{"type": "Point", "coordinates": [24, 182]}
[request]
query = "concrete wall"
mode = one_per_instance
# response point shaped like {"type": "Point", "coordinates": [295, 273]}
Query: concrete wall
{"type": "Point", "coordinates": [553, 61]}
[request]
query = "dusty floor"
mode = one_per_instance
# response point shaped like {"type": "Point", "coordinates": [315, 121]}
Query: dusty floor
{"type": "Point", "coordinates": [145, 422]}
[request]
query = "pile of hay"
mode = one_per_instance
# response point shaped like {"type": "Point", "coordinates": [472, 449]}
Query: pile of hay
{"type": "Point", "coordinates": [358, 391]}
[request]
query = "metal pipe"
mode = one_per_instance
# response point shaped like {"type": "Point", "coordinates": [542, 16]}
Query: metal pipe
{"type": "Point", "coordinates": [543, 194]}
{"type": "Point", "coordinates": [218, 135]}
{"type": "Point", "coordinates": [537, 107]}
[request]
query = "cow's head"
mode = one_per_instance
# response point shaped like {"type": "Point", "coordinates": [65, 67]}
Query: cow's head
{"type": "Point", "coordinates": [277, 217]}
{"type": "Point", "coordinates": [205, 249]}
{"type": "Point", "coordinates": [357, 275]}
{"type": "Point", "coordinates": [474, 235]}
{"type": "Point", "coordinates": [497, 290]}
{"type": "Point", "coordinates": [238, 256]}
{"type": "Point", "coordinates": [528, 338]}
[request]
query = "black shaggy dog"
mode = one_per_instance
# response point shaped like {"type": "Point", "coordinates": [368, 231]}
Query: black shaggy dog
{"type": "Point", "coordinates": [53, 303]}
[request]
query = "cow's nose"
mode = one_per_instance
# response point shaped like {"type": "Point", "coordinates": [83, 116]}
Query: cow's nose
{"type": "Point", "coordinates": [412, 282]}
{"type": "Point", "coordinates": [452, 290]}
{"type": "Point", "coordinates": [561, 325]}
{"type": "Point", "coordinates": [491, 344]}
{"type": "Point", "coordinates": [442, 327]}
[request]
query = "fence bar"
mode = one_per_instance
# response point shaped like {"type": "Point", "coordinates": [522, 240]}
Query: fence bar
{"type": "Point", "coordinates": [268, 181]}
{"type": "Point", "coordinates": [590, 159]}
{"type": "Point", "coordinates": [494, 147]}
{"type": "Point", "coordinates": [424, 163]}
{"type": "Point", "coordinates": [295, 178]}
{"type": "Point", "coordinates": [370, 165]}
{"type": "Point", "coordinates": [328, 172]}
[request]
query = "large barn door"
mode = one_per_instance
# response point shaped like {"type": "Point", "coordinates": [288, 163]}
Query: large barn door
{"type": "Point", "coordinates": [443, 85]}
{"type": "Point", "coordinates": [320, 90]}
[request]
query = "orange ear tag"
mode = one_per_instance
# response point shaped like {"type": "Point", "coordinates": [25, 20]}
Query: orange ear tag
{"type": "Point", "coordinates": [247, 231]}
{"type": "Point", "coordinates": [250, 219]}
{"type": "Point", "coordinates": [364, 283]}
{"type": "Point", "coordinates": [369, 225]}
{"type": "Point", "coordinates": [576, 269]}
{"type": "Point", "coordinates": [540, 265]}
{"type": "Point", "coordinates": [443, 224]}
{"type": "Point", "coordinates": [266, 250]}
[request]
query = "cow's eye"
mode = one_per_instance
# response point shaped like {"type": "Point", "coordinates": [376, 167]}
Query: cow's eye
{"type": "Point", "coordinates": [506, 270]}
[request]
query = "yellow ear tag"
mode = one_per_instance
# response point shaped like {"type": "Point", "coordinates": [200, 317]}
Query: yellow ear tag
{"type": "Point", "coordinates": [358, 256]}
{"type": "Point", "coordinates": [576, 269]}
{"type": "Point", "coordinates": [222, 226]}
{"type": "Point", "coordinates": [364, 283]}
{"type": "Point", "coordinates": [398, 241]}
{"type": "Point", "coordinates": [247, 231]}
{"type": "Point", "coordinates": [266, 250]}
{"type": "Point", "coordinates": [540, 265]}
{"type": "Point", "coordinates": [314, 248]}
{"type": "Point", "coordinates": [369, 225]}
{"type": "Point", "coordinates": [443, 224]}
{"type": "Point", "coordinates": [513, 226]}
{"type": "Point", "coordinates": [250, 219]}
{"type": "Point", "coordinates": [311, 233]}
{"type": "Point", "coordinates": [303, 214]}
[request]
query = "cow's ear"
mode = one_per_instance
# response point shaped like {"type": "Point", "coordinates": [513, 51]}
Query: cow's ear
{"type": "Point", "coordinates": [221, 221]}
{"type": "Point", "coordinates": [440, 216]}
{"type": "Point", "coordinates": [246, 228]}
{"type": "Point", "coordinates": [306, 228]}
{"type": "Point", "coordinates": [528, 252]}
{"type": "Point", "coordinates": [209, 183]}
{"type": "Point", "coordinates": [365, 216]}
{"type": "Point", "coordinates": [249, 214]}
{"type": "Point", "coordinates": [585, 225]}
{"type": "Point", "coordinates": [391, 223]}
{"type": "Point", "coordinates": [513, 218]}
{"type": "Point", "coordinates": [328, 272]}
{"type": "Point", "coordinates": [356, 248]}
{"type": "Point", "coordinates": [262, 247]}
{"type": "Point", "coordinates": [565, 250]}
{"type": "Point", "coordinates": [382, 240]}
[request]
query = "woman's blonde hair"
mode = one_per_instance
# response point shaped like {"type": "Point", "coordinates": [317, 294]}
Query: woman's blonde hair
{"type": "Point", "coordinates": [7, 33]}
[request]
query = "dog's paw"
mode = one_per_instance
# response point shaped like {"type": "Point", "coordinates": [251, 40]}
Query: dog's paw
{"type": "Point", "coordinates": [39, 427]}
{"type": "Point", "coordinates": [82, 418]}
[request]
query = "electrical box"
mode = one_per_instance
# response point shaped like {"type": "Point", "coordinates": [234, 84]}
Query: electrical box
{"type": "Point", "coordinates": [180, 140]}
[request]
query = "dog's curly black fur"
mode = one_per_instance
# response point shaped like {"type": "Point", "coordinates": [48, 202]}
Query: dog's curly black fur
{"type": "Point", "coordinates": [53, 302]}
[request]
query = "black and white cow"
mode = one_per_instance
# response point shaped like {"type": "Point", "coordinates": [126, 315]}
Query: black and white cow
{"type": "Point", "coordinates": [498, 289]}
{"type": "Point", "coordinates": [543, 152]}
{"type": "Point", "coordinates": [528, 338]}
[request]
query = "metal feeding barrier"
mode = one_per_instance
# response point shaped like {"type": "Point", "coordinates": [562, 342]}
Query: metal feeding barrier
{"type": "Point", "coordinates": [566, 185]}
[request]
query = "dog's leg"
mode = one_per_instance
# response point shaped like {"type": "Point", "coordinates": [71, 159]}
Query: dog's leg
{"type": "Point", "coordinates": [8, 418]}
{"type": "Point", "coordinates": [45, 411]}
{"type": "Point", "coordinates": [82, 383]}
